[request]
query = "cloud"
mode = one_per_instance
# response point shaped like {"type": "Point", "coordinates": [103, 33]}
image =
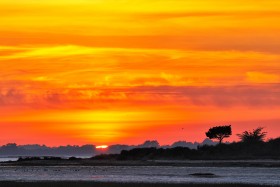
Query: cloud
{"type": "Point", "coordinates": [266, 95]}
{"type": "Point", "coordinates": [259, 77]}
{"type": "Point", "coordinates": [50, 52]}
{"type": "Point", "coordinates": [57, 51]}
{"type": "Point", "coordinates": [97, 77]}
{"type": "Point", "coordinates": [11, 97]}
{"type": "Point", "coordinates": [221, 96]}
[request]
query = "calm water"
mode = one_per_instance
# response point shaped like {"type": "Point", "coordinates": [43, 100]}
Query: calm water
{"type": "Point", "coordinates": [8, 159]}
{"type": "Point", "coordinates": [166, 174]}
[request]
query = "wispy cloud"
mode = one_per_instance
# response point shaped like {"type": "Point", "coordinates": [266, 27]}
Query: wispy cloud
{"type": "Point", "coordinates": [146, 96]}
{"type": "Point", "coordinates": [260, 77]}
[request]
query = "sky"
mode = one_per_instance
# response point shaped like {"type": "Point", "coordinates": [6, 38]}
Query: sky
{"type": "Point", "coordinates": [125, 71]}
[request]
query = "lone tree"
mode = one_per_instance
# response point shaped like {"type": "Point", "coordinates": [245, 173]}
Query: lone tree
{"type": "Point", "coordinates": [254, 136]}
{"type": "Point", "coordinates": [219, 132]}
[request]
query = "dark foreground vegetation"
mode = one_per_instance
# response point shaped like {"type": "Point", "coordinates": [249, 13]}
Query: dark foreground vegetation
{"type": "Point", "coordinates": [258, 150]}
{"type": "Point", "coordinates": [233, 151]}
{"type": "Point", "coordinates": [101, 184]}
{"type": "Point", "coordinates": [251, 147]}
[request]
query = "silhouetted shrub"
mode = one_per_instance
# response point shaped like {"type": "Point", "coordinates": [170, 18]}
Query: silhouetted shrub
{"type": "Point", "coordinates": [74, 158]}
{"type": "Point", "coordinates": [253, 137]}
{"type": "Point", "coordinates": [106, 157]}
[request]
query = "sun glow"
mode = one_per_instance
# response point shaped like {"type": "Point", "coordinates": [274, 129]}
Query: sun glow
{"type": "Point", "coordinates": [102, 147]}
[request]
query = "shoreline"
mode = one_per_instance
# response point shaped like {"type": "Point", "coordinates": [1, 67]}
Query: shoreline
{"type": "Point", "coordinates": [118, 184]}
{"type": "Point", "coordinates": [177, 163]}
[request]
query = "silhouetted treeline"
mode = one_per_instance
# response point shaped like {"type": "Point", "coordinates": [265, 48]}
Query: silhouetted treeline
{"type": "Point", "coordinates": [239, 150]}
{"type": "Point", "coordinates": [41, 158]}
{"type": "Point", "coordinates": [13, 149]}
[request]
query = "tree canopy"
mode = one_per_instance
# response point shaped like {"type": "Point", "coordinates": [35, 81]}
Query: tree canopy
{"type": "Point", "coordinates": [219, 132]}
{"type": "Point", "coordinates": [253, 136]}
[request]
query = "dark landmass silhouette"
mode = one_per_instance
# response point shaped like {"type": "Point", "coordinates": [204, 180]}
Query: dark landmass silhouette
{"type": "Point", "coordinates": [14, 150]}
{"type": "Point", "coordinates": [231, 151]}
{"type": "Point", "coordinates": [251, 146]}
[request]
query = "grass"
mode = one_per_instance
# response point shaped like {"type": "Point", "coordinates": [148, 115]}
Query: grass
{"type": "Point", "coordinates": [111, 184]}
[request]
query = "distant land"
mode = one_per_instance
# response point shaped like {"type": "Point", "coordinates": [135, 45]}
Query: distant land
{"type": "Point", "coordinates": [14, 150]}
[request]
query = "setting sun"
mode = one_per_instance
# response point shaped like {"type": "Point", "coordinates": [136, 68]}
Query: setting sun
{"type": "Point", "coordinates": [102, 147]}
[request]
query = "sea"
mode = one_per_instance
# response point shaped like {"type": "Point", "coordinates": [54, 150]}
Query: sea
{"type": "Point", "coordinates": [149, 174]}
{"type": "Point", "coordinates": [7, 159]}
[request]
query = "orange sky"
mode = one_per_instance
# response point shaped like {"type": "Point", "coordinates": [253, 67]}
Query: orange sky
{"type": "Point", "coordinates": [124, 71]}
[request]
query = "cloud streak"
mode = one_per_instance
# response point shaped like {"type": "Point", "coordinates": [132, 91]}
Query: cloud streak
{"type": "Point", "coordinates": [73, 99]}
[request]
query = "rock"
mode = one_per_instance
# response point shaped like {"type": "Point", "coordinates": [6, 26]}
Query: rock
{"type": "Point", "coordinates": [203, 175]}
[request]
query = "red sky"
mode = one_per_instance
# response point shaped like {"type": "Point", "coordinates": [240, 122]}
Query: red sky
{"type": "Point", "coordinates": [111, 71]}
